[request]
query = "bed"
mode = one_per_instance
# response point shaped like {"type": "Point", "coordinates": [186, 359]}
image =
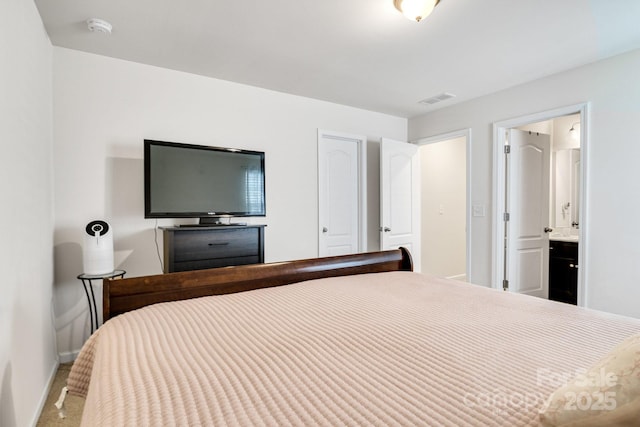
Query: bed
{"type": "Point", "coordinates": [350, 340]}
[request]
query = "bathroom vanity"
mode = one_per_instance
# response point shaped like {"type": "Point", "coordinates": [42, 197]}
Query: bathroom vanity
{"type": "Point", "coordinates": [563, 270]}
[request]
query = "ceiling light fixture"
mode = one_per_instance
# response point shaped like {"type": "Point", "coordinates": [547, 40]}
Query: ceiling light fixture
{"type": "Point", "coordinates": [99, 26]}
{"type": "Point", "coordinates": [416, 10]}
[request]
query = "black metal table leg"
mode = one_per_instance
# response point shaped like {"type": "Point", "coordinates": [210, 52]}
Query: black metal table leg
{"type": "Point", "coordinates": [87, 284]}
{"type": "Point", "coordinates": [91, 306]}
{"type": "Point", "coordinates": [95, 312]}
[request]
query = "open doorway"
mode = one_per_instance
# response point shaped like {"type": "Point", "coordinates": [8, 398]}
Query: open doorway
{"type": "Point", "coordinates": [444, 188]}
{"type": "Point", "coordinates": [541, 256]}
{"type": "Point", "coordinates": [565, 171]}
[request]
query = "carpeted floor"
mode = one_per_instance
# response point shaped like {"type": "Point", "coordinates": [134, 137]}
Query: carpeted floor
{"type": "Point", "coordinates": [72, 404]}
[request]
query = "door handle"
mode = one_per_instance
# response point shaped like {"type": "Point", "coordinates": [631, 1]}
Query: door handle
{"type": "Point", "coordinates": [548, 229]}
{"type": "Point", "coordinates": [325, 229]}
{"type": "Point", "coordinates": [386, 229]}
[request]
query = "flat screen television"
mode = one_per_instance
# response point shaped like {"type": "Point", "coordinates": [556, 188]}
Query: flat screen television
{"type": "Point", "coordinates": [196, 181]}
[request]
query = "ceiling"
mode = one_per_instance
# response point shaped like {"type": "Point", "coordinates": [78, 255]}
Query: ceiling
{"type": "Point", "coordinates": [361, 53]}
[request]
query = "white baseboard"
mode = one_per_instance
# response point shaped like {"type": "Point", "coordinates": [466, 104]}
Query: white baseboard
{"type": "Point", "coordinates": [45, 393]}
{"type": "Point", "coordinates": [68, 356]}
{"type": "Point", "coordinates": [462, 277]}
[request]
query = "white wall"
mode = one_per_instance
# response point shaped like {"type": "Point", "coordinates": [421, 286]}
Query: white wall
{"type": "Point", "coordinates": [613, 207]}
{"type": "Point", "coordinates": [104, 108]}
{"type": "Point", "coordinates": [27, 341]}
{"type": "Point", "coordinates": [444, 198]}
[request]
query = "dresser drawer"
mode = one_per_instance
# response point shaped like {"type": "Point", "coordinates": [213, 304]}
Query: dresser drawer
{"type": "Point", "coordinates": [194, 245]}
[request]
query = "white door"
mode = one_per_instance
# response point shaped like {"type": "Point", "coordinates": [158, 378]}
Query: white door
{"type": "Point", "coordinates": [528, 166]}
{"type": "Point", "coordinates": [400, 197]}
{"type": "Point", "coordinates": [338, 189]}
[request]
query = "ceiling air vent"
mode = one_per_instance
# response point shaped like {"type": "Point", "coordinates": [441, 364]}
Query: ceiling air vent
{"type": "Point", "coordinates": [438, 98]}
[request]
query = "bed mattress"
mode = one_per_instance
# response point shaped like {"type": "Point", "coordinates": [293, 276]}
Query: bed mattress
{"type": "Point", "coordinates": [396, 348]}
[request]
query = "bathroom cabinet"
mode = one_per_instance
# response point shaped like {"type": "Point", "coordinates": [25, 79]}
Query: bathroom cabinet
{"type": "Point", "coordinates": [563, 271]}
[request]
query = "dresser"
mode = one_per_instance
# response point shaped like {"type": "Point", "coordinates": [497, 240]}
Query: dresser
{"type": "Point", "coordinates": [197, 248]}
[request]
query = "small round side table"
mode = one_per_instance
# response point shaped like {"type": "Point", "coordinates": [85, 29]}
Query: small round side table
{"type": "Point", "coordinates": [87, 283]}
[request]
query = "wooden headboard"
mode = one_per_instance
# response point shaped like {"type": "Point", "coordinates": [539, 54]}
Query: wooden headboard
{"type": "Point", "coordinates": [122, 295]}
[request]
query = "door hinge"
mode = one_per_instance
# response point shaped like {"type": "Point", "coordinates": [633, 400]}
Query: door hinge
{"type": "Point", "coordinates": [506, 216]}
{"type": "Point", "coordinates": [507, 149]}
{"type": "Point", "coordinates": [505, 285]}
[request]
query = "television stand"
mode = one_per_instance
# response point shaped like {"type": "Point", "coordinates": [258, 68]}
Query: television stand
{"type": "Point", "coordinates": [199, 247]}
{"type": "Point", "coordinates": [216, 224]}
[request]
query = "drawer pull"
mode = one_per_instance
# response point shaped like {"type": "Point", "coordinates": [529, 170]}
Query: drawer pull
{"type": "Point", "coordinates": [219, 244]}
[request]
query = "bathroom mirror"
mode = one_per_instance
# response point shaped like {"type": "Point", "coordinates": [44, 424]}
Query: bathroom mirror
{"type": "Point", "coordinates": [575, 187]}
{"type": "Point", "coordinates": [567, 190]}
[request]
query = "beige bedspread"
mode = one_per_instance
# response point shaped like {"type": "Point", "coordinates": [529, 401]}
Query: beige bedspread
{"type": "Point", "coordinates": [379, 349]}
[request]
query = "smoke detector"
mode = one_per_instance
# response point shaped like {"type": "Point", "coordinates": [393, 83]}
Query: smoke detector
{"type": "Point", "coordinates": [99, 26]}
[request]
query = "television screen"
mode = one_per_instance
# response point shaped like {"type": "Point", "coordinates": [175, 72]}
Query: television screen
{"type": "Point", "coordinates": [191, 181]}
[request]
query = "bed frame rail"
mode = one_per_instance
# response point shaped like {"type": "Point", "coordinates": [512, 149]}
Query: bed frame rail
{"type": "Point", "coordinates": [122, 295]}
